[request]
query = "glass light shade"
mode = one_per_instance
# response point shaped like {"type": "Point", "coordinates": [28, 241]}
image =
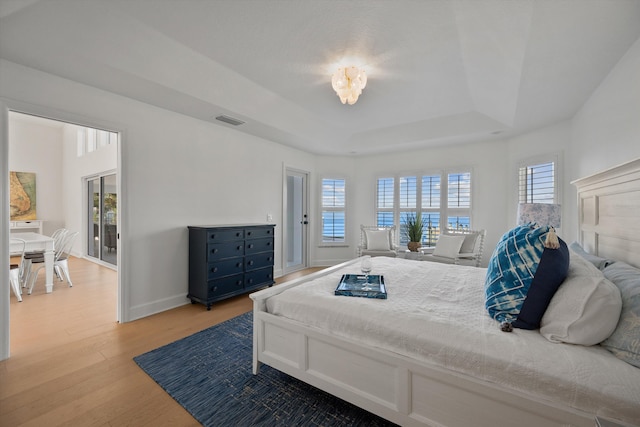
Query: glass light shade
{"type": "Point", "coordinates": [348, 83]}
{"type": "Point", "coordinates": [540, 213]}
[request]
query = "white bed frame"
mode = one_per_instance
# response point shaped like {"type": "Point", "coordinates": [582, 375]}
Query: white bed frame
{"type": "Point", "coordinates": [608, 209]}
{"type": "Point", "coordinates": [409, 392]}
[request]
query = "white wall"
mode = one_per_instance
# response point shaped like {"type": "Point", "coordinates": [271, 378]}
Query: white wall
{"type": "Point", "coordinates": [542, 142]}
{"type": "Point", "coordinates": [176, 171]}
{"type": "Point", "coordinates": [74, 169]}
{"type": "Point", "coordinates": [37, 148]}
{"type": "Point", "coordinates": [606, 130]}
{"type": "Point", "coordinates": [489, 167]}
{"type": "Point", "coordinates": [50, 152]}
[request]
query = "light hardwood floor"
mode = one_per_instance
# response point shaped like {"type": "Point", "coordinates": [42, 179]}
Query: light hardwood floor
{"type": "Point", "coordinates": [72, 364]}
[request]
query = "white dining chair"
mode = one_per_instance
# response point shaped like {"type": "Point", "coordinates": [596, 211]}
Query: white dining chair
{"type": "Point", "coordinates": [60, 257]}
{"type": "Point", "coordinates": [61, 264]}
{"type": "Point", "coordinates": [17, 271]}
{"type": "Point", "coordinates": [37, 257]}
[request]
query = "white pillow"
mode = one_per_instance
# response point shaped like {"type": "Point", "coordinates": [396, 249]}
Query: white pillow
{"type": "Point", "coordinates": [378, 240]}
{"type": "Point", "coordinates": [585, 309]}
{"type": "Point", "coordinates": [448, 246]}
{"type": "Point", "coordinates": [469, 243]}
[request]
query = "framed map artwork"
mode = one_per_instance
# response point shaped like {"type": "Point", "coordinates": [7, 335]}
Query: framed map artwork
{"type": "Point", "coordinates": [22, 186]}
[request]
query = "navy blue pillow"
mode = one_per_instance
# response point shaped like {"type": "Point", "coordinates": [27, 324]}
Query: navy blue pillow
{"type": "Point", "coordinates": [551, 272]}
{"type": "Point", "coordinates": [523, 275]}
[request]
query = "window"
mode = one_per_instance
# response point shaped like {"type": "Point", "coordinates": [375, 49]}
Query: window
{"type": "Point", "coordinates": [385, 201]}
{"type": "Point", "coordinates": [442, 199]}
{"type": "Point", "coordinates": [459, 201]}
{"type": "Point", "coordinates": [90, 140]}
{"type": "Point", "coordinates": [333, 210]}
{"type": "Point", "coordinates": [537, 182]}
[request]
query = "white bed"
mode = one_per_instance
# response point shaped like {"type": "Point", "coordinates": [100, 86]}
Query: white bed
{"type": "Point", "coordinates": [414, 365]}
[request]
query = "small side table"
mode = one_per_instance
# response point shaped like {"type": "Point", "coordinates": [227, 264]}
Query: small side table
{"type": "Point", "coordinates": [407, 254]}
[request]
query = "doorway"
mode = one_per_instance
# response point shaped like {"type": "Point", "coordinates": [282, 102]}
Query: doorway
{"type": "Point", "coordinates": [102, 218]}
{"type": "Point", "coordinates": [296, 220]}
{"type": "Point", "coordinates": [75, 218]}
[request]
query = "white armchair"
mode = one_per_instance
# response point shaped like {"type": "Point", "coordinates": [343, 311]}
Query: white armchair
{"type": "Point", "coordinates": [463, 247]}
{"type": "Point", "coordinates": [378, 241]}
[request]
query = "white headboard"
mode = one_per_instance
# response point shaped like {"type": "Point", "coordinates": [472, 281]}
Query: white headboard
{"type": "Point", "coordinates": [609, 213]}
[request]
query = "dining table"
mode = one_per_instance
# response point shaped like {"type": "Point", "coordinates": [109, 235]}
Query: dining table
{"type": "Point", "coordinates": [38, 242]}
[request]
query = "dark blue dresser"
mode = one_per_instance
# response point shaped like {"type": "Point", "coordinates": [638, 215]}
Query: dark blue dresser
{"type": "Point", "coordinates": [228, 260]}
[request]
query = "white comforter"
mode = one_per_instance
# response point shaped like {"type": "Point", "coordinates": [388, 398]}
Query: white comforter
{"type": "Point", "coordinates": [435, 312]}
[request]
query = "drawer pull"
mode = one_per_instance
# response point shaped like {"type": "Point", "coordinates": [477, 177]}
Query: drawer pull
{"type": "Point", "coordinates": [238, 248]}
{"type": "Point", "coordinates": [250, 263]}
{"type": "Point", "coordinates": [270, 259]}
{"type": "Point", "coordinates": [239, 264]}
{"type": "Point", "coordinates": [248, 233]}
{"type": "Point", "coordinates": [250, 246]}
{"type": "Point", "coordinates": [237, 234]}
{"type": "Point", "coordinates": [268, 243]}
{"type": "Point", "coordinates": [214, 270]}
{"type": "Point", "coordinates": [214, 250]}
{"type": "Point", "coordinates": [250, 281]}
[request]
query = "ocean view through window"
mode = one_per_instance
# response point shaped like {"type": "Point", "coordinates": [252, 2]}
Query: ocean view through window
{"type": "Point", "coordinates": [333, 210]}
{"type": "Point", "coordinates": [442, 200]}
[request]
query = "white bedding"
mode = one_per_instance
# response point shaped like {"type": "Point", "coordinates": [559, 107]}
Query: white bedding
{"type": "Point", "coordinates": [435, 312]}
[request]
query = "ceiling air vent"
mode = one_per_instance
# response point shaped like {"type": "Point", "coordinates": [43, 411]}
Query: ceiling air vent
{"type": "Point", "coordinates": [230, 120]}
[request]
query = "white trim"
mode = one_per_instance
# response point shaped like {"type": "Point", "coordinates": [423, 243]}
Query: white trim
{"type": "Point", "coordinates": [4, 226]}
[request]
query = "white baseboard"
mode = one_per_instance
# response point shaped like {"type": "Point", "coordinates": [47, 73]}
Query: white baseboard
{"type": "Point", "coordinates": [154, 307]}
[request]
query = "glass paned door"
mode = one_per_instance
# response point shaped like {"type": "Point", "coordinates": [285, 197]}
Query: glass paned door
{"type": "Point", "coordinates": [296, 221]}
{"type": "Point", "coordinates": [103, 218]}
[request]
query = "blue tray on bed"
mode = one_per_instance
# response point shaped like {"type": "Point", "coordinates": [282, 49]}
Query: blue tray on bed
{"type": "Point", "coordinates": [359, 285]}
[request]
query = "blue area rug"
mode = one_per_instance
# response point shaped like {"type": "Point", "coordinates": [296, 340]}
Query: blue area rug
{"type": "Point", "coordinates": [209, 374]}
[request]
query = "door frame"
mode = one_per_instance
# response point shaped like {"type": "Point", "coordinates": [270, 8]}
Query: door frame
{"type": "Point", "coordinates": [7, 105]}
{"type": "Point", "coordinates": [286, 171]}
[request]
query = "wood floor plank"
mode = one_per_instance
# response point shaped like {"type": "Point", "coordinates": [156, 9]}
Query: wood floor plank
{"type": "Point", "coordinates": [72, 364]}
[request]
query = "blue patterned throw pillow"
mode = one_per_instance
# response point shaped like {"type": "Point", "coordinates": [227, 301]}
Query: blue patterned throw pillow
{"type": "Point", "coordinates": [523, 275]}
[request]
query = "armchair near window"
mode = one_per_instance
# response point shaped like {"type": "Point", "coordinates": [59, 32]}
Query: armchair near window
{"type": "Point", "coordinates": [463, 247]}
{"type": "Point", "coordinates": [378, 241]}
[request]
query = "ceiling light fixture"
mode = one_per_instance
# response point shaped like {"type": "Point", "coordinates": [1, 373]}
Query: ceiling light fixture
{"type": "Point", "coordinates": [348, 83]}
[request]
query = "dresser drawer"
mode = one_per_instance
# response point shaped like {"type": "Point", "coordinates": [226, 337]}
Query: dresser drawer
{"type": "Point", "coordinates": [226, 267]}
{"type": "Point", "coordinates": [225, 285]}
{"type": "Point", "coordinates": [257, 278]}
{"type": "Point", "coordinates": [225, 250]}
{"type": "Point", "coordinates": [261, 260]}
{"type": "Point", "coordinates": [258, 233]}
{"type": "Point", "coordinates": [258, 245]}
{"type": "Point", "coordinates": [214, 236]}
